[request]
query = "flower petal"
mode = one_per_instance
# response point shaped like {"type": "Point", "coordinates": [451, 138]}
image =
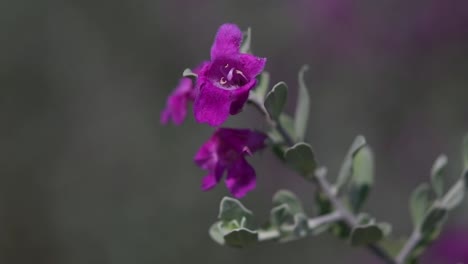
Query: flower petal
{"type": "Point", "coordinates": [176, 107]}
{"type": "Point", "coordinates": [227, 41]}
{"type": "Point", "coordinates": [212, 179]}
{"type": "Point", "coordinates": [240, 96]}
{"type": "Point", "coordinates": [212, 104]}
{"type": "Point", "coordinates": [240, 178]}
{"type": "Point", "coordinates": [206, 157]}
{"type": "Point", "coordinates": [240, 139]}
{"type": "Point", "coordinates": [252, 65]}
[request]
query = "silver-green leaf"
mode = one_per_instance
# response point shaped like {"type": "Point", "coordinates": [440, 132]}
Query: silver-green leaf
{"type": "Point", "coordinates": [245, 47]}
{"type": "Point", "coordinates": [241, 237]}
{"type": "Point", "coordinates": [419, 203]}
{"type": "Point", "coordinates": [301, 116]}
{"type": "Point", "coordinates": [437, 175]}
{"type": "Point", "coordinates": [276, 100]}
{"type": "Point", "coordinates": [290, 199]}
{"type": "Point", "coordinates": [301, 158]}
{"type": "Point", "coordinates": [366, 234]}
{"type": "Point", "coordinates": [433, 219]}
{"type": "Point", "coordinates": [362, 177]}
{"type": "Point", "coordinates": [189, 74]}
{"type": "Point", "coordinates": [346, 168]}
{"type": "Point", "coordinates": [231, 209]}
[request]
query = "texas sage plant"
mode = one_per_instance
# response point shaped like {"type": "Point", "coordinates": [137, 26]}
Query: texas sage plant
{"type": "Point", "coordinates": [233, 77]}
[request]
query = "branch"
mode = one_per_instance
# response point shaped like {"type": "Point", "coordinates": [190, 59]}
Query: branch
{"type": "Point", "coordinates": [349, 218]}
{"type": "Point", "coordinates": [273, 124]}
{"type": "Point", "coordinates": [410, 244]}
{"type": "Point", "coordinates": [312, 223]}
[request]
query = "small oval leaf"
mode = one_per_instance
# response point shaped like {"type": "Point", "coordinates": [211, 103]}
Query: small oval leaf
{"type": "Point", "coordinates": [301, 158]}
{"type": "Point", "coordinates": [276, 100]}
{"type": "Point", "coordinates": [419, 203]}
{"type": "Point", "coordinates": [362, 177]}
{"type": "Point", "coordinates": [231, 209]}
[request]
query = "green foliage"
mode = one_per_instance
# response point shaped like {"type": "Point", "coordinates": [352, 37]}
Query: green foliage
{"type": "Point", "coordinates": [231, 209]}
{"type": "Point", "coordinates": [301, 158]}
{"type": "Point", "coordinates": [285, 197]}
{"type": "Point", "coordinates": [437, 175]}
{"type": "Point", "coordinates": [246, 43]}
{"type": "Point", "coordinates": [362, 177]}
{"type": "Point", "coordinates": [346, 168]}
{"type": "Point", "coordinates": [301, 116]}
{"type": "Point", "coordinates": [419, 203]}
{"type": "Point", "coordinates": [262, 87]}
{"type": "Point", "coordinates": [241, 237]}
{"type": "Point", "coordinates": [235, 227]}
{"type": "Point", "coordinates": [276, 100]}
{"type": "Point", "coordinates": [434, 218]}
{"type": "Point", "coordinates": [189, 74]}
{"type": "Point", "coordinates": [366, 234]}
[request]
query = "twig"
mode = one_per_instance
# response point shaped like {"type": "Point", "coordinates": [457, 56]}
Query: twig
{"type": "Point", "coordinates": [274, 124]}
{"type": "Point", "coordinates": [312, 223]}
{"type": "Point", "coordinates": [410, 244]}
{"type": "Point", "coordinates": [349, 218]}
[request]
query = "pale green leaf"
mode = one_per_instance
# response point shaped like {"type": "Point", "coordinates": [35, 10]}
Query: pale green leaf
{"type": "Point", "coordinates": [419, 203]}
{"type": "Point", "coordinates": [276, 100]}
{"type": "Point", "coordinates": [301, 116]}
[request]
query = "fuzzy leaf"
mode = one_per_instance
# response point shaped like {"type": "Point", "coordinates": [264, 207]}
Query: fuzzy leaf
{"type": "Point", "coordinates": [290, 199]}
{"type": "Point", "coordinates": [301, 158]}
{"type": "Point", "coordinates": [231, 209]}
{"type": "Point", "coordinates": [276, 100]}
{"type": "Point", "coordinates": [419, 202]}
{"type": "Point", "coordinates": [216, 233]}
{"type": "Point", "coordinates": [366, 234]}
{"type": "Point", "coordinates": [437, 175]}
{"type": "Point", "coordinates": [241, 237]}
{"type": "Point", "coordinates": [189, 74]}
{"type": "Point", "coordinates": [245, 47]}
{"type": "Point", "coordinates": [301, 116]}
{"type": "Point", "coordinates": [346, 168]}
{"type": "Point", "coordinates": [433, 219]}
{"type": "Point", "coordinates": [362, 177]}
{"type": "Point", "coordinates": [262, 87]}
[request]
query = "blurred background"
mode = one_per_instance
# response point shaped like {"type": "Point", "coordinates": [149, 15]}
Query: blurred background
{"type": "Point", "coordinates": [88, 174]}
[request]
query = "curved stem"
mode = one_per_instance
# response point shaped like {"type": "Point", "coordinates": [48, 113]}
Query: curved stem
{"type": "Point", "coordinates": [349, 218]}
{"type": "Point", "coordinates": [274, 124]}
{"type": "Point", "coordinates": [410, 244]}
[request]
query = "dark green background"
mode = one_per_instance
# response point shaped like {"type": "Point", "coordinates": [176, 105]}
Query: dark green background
{"type": "Point", "coordinates": [88, 175]}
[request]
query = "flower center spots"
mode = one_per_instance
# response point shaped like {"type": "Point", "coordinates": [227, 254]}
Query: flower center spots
{"type": "Point", "coordinates": [231, 77]}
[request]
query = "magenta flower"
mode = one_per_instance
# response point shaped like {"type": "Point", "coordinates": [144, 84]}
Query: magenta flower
{"type": "Point", "coordinates": [225, 151]}
{"type": "Point", "coordinates": [223, 84]}
{"type": "Point", "coordinates": [176, 107]}
{"type": "Point", "coordinates": [451, 247]}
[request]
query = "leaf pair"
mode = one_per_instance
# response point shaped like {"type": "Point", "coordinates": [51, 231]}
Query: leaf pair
{"type": "Point", "coordinates": [276, 99]}
{"type": "Point", "coordinates": [235, 227]}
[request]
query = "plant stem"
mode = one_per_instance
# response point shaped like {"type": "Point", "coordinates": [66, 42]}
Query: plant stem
{"type": "Point", "coordinates": [410, 244]}
{"type": "Point", "coordinates": [312, 223]}
{"type": "Point", "coordinates": [349, 218]}
{"type": "Point", "coordinates": [273, 123]}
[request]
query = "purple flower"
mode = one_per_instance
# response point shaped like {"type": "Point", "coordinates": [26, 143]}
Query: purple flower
{"type": "Point", "coordinates": [223, 84]}
{"type": "Point", "coordinates": [176, 107]}
{"type": "Point", "coordinates": [450, 247]}
{"type": "Point", "coordinates": [225, 151]}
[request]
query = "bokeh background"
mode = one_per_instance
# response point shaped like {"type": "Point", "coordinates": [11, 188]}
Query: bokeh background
{"type": "Point", "coordinates": [88, 174]}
